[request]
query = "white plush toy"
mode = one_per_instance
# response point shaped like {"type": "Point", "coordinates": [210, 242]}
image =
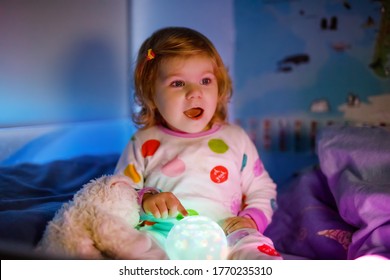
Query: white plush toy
{"type": "Point", "coordinates": [99, 224]}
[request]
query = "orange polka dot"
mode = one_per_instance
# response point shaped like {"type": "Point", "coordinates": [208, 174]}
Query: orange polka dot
{"type": "Point", "coordinates": [150, 147]}
{"type": "Point", "coordinates": [131, 172]}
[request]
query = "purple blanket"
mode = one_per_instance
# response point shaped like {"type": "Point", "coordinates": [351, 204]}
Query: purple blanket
{"type": "Point", "coordinates": [340, 210]}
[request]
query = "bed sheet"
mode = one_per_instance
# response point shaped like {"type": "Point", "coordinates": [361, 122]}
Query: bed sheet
{"type": "Point", "coordinates": [339, 209]}
{"type": "Point", "coordinates": [30, 194]}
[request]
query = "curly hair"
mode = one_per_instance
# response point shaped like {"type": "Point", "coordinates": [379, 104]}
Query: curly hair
{"type": "Point", "coordinates": [168, 43]}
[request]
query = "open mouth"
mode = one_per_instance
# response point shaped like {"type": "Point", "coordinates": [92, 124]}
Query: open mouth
{"type": "Point", "coordinates": [194, 113]}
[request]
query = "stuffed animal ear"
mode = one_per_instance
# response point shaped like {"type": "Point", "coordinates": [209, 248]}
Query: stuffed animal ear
{"type": "Point", "coordinates": [119, 180]}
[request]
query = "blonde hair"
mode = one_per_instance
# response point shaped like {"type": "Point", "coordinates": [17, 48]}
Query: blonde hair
{"type": "Point", "coordinates": [167, 43]}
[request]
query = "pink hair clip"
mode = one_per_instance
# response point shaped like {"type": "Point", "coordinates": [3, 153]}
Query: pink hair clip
{"type": "Point", "coordinates": [150, 55]}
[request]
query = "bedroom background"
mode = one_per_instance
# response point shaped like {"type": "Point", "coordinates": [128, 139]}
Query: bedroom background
{"type": "Point", "coordinates": [298, 65]}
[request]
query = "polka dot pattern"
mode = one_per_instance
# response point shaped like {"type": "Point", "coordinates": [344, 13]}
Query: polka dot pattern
{"type": "Point", "coordinates": [218, 171]}
{"type": "Point", "coordinates": [235, 205]}
{"type": "Point", "coordinates": [244, 161]}
{"type": "Point", "coordinates": [174, 168]}
{"type": "Point", "coordinates": [266, 249]}
{"type": "Point", "coordinates": [132, 173]}
{"type": "Point", "coordinates": [258, 168]}
{"type": "Point", "coordinates": [150, 147]}
{"type": "Point", "coordinates": [218, 146]}
{"type": "Point", "coordinates": [219, 174]}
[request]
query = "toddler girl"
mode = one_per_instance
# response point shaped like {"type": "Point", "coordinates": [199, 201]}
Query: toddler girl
{"type": "Point", "coordinates": [186, 158]}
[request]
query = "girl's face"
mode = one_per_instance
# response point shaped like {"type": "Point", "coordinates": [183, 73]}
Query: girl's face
{"type": "Point", "coordinates": [187, 93]}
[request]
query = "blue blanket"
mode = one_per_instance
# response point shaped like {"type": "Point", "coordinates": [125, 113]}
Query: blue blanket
{"type": "Point", "coordinates": [30, 194]}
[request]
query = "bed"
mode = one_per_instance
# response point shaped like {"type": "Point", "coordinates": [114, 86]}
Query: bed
{"type": "Point", "coordinates": [339, 208]}
{"type": "Point", "coordinates": [336, 209]}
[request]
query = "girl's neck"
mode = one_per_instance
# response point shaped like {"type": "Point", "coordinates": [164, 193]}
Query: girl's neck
{"type": "Point", "coordinates": [207, 131]}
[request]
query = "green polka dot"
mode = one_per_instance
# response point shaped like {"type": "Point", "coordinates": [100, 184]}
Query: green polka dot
{"type": "Point", "coordinates": [191, 212]}
{"type": "Point", "coordinates": [218, 146]}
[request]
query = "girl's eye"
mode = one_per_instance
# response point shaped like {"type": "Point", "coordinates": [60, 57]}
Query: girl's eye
{"type": "Point", "coordinates": [177, 84]}
{"type": "Point", "coordinates": [206, 81]}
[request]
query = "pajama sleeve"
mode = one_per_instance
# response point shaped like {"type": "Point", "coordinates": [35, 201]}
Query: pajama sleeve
{"type": "Point", "coordinates": [131, 163]}
{"type": "Point", "coordinates": [258, 188]}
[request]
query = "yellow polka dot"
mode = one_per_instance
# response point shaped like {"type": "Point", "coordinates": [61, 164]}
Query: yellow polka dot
{"type": "Point", "coordinates": [131, 172]}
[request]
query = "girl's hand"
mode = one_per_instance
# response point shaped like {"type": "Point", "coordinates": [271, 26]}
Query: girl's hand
{"type": "Point", "coordinates": [235, 223]}
{"type": "Point", "coordinates": [162, 205]}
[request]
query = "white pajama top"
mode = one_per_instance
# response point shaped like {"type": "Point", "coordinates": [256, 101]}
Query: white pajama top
{"type": "Point", "coordinates": [217, 173]}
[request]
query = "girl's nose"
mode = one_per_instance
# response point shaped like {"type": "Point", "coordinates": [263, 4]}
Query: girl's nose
{"type": "Point", "coordinates": [194, 91]}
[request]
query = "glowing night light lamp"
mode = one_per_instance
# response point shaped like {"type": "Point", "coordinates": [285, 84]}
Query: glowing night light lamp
{"type": "Point", "coordinates": [373, 257]}
{"type": "Point", "coordinates": [196, 238]}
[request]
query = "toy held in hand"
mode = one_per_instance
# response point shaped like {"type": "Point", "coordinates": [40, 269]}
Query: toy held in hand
{"type": "Point", "coordinates": [164, 225]}
{"type": "Point", "coordinates": [196, 238]}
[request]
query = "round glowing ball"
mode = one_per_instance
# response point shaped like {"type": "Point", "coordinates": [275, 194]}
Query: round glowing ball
{"type": "Point", "coordinates": [196, 238]}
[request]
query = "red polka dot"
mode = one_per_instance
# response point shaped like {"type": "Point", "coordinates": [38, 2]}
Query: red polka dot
{"type": "Point", "coordinates": [266, 249]}
{"type": "Point", "coordinates": [150, 147]}
{"type": "Point", "coordinates": [219, 174]}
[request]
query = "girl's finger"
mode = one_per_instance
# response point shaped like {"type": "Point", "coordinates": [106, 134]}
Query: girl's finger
{"type": "Point", "coordinates": [174, 205]}
{"type": "Point", "coordinates": [162, 208]}
{"type": "Point", "coordinates": [152, 209]}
